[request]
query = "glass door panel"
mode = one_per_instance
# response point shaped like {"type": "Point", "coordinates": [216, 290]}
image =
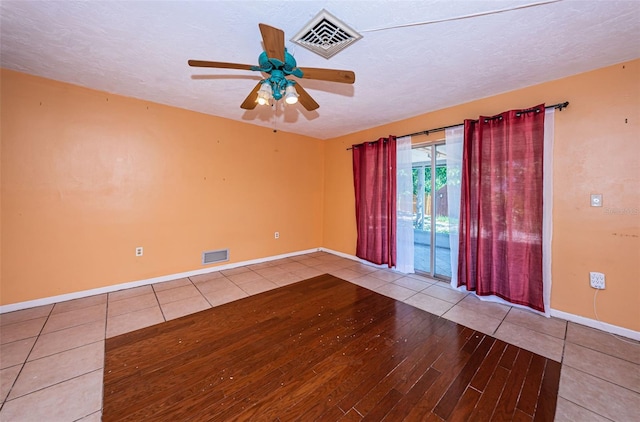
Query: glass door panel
{"type": "Point", "coordinates": [431, 224]}
{"type": "Point", "coordinates": [421, 164]}
{"type": "Point", "coordinates": [441, 214]}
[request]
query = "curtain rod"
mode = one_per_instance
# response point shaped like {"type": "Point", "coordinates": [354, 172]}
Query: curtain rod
{"type": "Point", "coordinates": [559, 106]}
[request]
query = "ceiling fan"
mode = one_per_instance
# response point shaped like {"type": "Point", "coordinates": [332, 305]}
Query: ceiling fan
{"type": "Point", "coordinates": [276, 62]}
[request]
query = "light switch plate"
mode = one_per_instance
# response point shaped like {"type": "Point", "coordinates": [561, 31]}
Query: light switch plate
{"type": "Point", "coordinates": [596, 200]}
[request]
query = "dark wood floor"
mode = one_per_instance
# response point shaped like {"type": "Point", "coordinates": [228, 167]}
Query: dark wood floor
{"type": "Point", "coordinates": [322, 349]}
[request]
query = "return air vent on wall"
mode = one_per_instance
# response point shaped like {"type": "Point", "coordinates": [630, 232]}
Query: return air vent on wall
{"type": "Point", "coordinates": [326, 35]}
{"type": "Point", "coordinates": [211, 257]}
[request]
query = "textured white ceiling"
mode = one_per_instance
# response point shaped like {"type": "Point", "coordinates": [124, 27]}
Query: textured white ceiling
{"type": "Point", "coordinates": [140, 49]}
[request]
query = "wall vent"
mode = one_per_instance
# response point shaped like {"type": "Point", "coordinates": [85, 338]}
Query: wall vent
{"type": "Point", "coordinates": [326, 35]}
{"type": "Point", "coordinates": [210, 257]}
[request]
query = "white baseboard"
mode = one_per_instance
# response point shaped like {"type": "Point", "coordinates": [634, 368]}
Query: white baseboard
{"type": "Point", "coordinates": [108, 289]}
{"type": "Point", "coordinates": [599, 325]}
{"type": "Point", "coordinates": [355, 258]}
{"type": "Point", "coordinates": [610, 328]}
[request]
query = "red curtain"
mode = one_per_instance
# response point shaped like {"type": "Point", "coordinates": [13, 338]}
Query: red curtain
{"type": "Point", "coordinates": [374, 178]}
{"type": "Point", "coordinates": [501, 207]}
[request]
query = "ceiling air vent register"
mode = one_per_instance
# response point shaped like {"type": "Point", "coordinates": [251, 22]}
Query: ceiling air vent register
{"type": "Point", "coordinates": [326, 35]}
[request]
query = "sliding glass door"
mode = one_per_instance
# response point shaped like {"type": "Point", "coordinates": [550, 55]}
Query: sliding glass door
{"type": "Point", "coordinates": [431, 220]}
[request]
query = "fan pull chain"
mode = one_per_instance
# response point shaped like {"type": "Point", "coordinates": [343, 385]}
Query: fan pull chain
{"type": "Point", "coordinates": [274, 105]}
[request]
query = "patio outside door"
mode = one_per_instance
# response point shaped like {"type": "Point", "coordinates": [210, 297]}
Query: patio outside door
{"type": "Point", "coordinates": [431, 220]}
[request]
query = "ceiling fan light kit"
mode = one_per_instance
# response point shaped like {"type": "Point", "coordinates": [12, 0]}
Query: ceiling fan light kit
{"type": "Point", "coordinates": [273, 89]}
{"type": "Point", "coordinates": [276, 62]}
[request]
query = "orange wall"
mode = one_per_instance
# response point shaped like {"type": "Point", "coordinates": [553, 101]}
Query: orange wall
{"type": "Point", "coordinates": [88, 176]}
{"type": "Point", "coordinates": [597, 150]}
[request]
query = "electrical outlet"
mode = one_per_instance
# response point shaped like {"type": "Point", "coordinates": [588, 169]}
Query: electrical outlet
{"type": "Point", "coordinates": [139, 251]}
{"type": "Point", "coordinates": [596, 280]}
{"type": "Point", "coordinates": [276, 235]}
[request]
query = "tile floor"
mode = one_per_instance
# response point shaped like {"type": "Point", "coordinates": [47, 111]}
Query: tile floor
{"type": "Point", "coordinates": [51, 357]}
